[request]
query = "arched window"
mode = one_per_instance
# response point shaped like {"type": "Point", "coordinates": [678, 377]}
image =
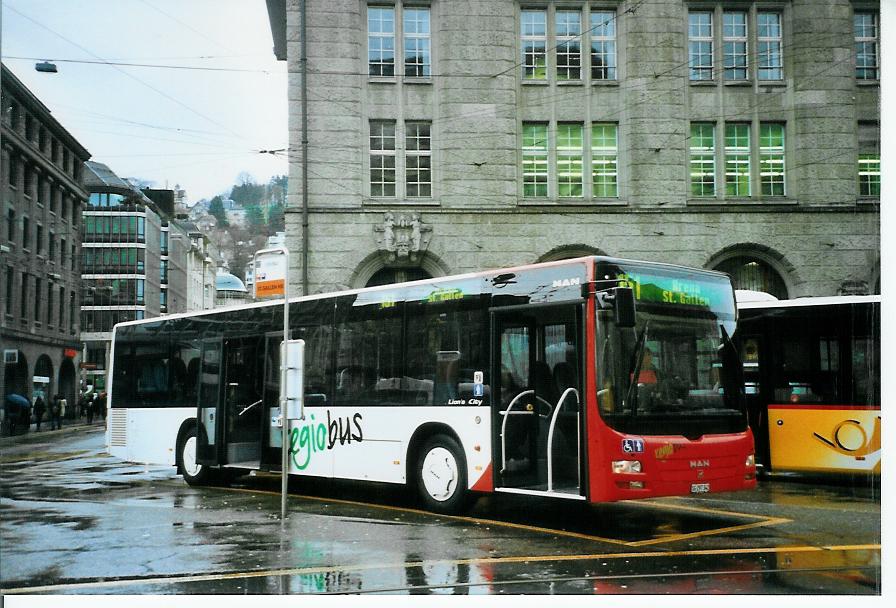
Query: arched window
{"type": "Point", "coordinates": [387, 276]}
{"type": "Point", "coordinates": [754, 274]}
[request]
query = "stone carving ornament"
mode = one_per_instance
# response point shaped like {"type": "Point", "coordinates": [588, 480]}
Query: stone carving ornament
{"type": "Point", "coordinates": [403, 238]}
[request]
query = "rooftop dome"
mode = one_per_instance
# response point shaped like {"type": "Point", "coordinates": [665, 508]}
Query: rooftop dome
{"type": "Point", "coordinates": [225, 281]}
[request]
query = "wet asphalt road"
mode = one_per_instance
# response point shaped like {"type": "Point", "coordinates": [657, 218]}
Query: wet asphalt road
{"type": "Point", "coordinates": [74, 520]}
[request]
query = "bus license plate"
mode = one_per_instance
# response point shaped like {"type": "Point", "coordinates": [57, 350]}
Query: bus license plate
{"type": "Point", "coordinates": [699, 488]}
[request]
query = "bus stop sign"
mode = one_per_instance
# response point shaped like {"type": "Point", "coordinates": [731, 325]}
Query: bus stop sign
{"type": "Point", "coordinates": [270, 275]}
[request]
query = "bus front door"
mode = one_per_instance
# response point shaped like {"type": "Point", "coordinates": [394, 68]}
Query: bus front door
{"type": "Point", "coordinates": [537, 417]}
{"type": "Point", "coordinates": [243, 402]}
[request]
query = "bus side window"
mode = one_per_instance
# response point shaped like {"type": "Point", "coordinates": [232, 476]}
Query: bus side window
{"type": "Point", "coordinates": [318, 351]}
{"type": "Point", "coordinates": [865, 371]}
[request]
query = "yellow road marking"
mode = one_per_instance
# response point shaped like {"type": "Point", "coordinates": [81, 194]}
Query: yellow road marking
{"type": "Point", "coordinates": [764, 520]}
{"type": "Point", "coordinates": [174, 579]}
{"type": "Point", "coordinates": [473, 520]}
{"type": "Point", "coordinates": [674, 505]}
{"type": "Point", "coordinates": [770, 521]}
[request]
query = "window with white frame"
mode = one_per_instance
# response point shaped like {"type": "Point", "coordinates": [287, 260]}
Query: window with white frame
{"type": "Point", "coordinates": [703, 159]}
{"type": "Point", "coordinates": [751, 42]}
{"type": "Point", "coordinates": [535, 160]}
{"type": "Point", "coordinates": [418, 159]}
{"type": "Point", "coordinates": [533, 32]}
{"type": "Point", "coordinates": [737, 159]}
{"type": "Point", "coordinates": [771, 159]}
{"type": "Point", "coordinates": [381, 40]}
{"type": "Point", "coordinates": [568, 30]}
{"type": "Point", "coordinates": [700, 45]}
{"type": "Point", "coordinates": [604, 154]}
{"type": "Point", "coordinates": [734, 45]}
{"type": "Point", "coordinates": [769, 56]}
{"type": "Point", "coordinates": [867, 45]}
{"type": "Point", "coordinates": [603, 45]}
{"type": "Point", "coordinates": [382, 158]}
{"type": "Point", "coordinates": [416, 30]}
{"type": "Point", "coordinates": [580, 44]}
{"type": "Point", "coordinates": [753, 159]}
{"type": "Point", "coordinates": [569, 160]}
{"type": "Point", "coordinates": [869, 160]}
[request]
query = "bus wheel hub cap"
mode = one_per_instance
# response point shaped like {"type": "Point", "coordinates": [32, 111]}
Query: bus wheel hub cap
{"type": "Point", "coordinates": [189, 457]}
{"type": "Point", "coordinates": [440, 474]}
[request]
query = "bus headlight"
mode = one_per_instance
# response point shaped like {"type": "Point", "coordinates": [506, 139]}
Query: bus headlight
{"type": "Point", "coordinates": [626, 466]}
{"type": "Point", "coordinates": [751, 461]}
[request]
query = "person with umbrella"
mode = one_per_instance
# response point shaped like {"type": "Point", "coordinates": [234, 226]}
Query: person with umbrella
{"type": "Point", "coordinates": [17, 408]}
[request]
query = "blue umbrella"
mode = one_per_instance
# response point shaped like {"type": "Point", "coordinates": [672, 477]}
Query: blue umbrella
{"type": "Point", "coordinates": [17, 400]}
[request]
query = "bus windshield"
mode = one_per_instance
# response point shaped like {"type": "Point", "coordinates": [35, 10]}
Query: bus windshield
{"type": "Point", "coordinates": [672, 373]}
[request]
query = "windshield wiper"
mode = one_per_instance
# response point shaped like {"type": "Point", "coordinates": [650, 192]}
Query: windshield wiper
{"type": "Point", "coordinates": [631, 395]}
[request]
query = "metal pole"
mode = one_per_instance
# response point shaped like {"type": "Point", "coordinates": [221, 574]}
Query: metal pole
{"type": "Point", "coordinates": [284, 393]}
{"type": "Point", "coordinates": [284, 376]}
{"type": "Point", "coordinates": [303, 61]}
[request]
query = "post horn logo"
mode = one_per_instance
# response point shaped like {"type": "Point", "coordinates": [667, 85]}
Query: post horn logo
{"type": "Point", "coordinates": [850, 439]}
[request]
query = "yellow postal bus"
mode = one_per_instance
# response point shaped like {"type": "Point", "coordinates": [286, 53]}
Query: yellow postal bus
{"type": "Point", "coordinates": [812, 382]}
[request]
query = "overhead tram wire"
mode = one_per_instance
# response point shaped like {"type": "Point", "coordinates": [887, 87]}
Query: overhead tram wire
{"type": "Point", "coordinates": [565, 92]}
{"type": "Point", "coordinates": [187, 25]}
{"type": "Point", "coordinates": [766, 98]}
{"type": "Point", "coordinates": [145, 65]}
{"type": "Point", "coordinates": [131, 76]}
{"type": "Point", "coordinates": [200, 137]}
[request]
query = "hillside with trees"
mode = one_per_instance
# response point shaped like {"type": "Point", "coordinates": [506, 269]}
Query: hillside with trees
{"type": "Point", "coordinates": [245, 217]}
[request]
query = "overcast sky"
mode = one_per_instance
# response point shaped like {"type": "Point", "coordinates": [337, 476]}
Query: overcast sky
{"type": "Point", "coordinates": [195, 127]}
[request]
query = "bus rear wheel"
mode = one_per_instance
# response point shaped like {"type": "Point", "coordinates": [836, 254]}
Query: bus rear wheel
{"type": "Point", "coordinates": [442, 475]}
{"type": "Point", "coordinates": [194, 474]}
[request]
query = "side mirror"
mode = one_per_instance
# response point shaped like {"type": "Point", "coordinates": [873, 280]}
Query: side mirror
{"type": "Point", "coordinates": [624, 307]}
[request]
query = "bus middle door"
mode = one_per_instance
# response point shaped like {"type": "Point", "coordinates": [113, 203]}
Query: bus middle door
{"type": "Point", "coordinates": [243, 402]}
{"type": "Point", "coordinates": [537, 410]}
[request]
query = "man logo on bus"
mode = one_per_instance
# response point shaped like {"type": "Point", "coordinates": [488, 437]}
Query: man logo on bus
{"type": "Point", "coordinates": [849, 439]}
{"type": "Point", "coordinates": [566, 282]}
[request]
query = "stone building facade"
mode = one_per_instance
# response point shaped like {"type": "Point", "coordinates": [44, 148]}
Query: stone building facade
{"type": "Point", "coordinates": [446, 137]}
{"type": "Point", "coordinates": [40, 247]}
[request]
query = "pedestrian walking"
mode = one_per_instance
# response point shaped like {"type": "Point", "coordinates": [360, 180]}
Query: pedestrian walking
{"type": "Point", "coordinates": [40, 408]}
{"type": "Point", "coordinates": [87, 407]}
{"type": "Point", "coordinates": [55, 413]}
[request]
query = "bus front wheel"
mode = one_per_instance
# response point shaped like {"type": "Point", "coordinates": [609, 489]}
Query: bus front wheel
{"type": "Point", "coordinates": [194, 474]}
{"type": "Point", "coordinates": [442, 475]}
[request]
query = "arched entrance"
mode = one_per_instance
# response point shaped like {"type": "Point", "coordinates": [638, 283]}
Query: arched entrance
{"type": "Point", "coordinates": [68, 381]}
{"type": "Point", "coordinates": [568, 252]}
{"type": "Point", "coordinates": [757, 268]}
{"type": "Point", "coordinates": [43, 378]}
{"type": "Point", "coordinates": [16, 377]}
{"type": "Point", "coordinates": [754, 274]}
{"type": "Point", "coordinates": [374, 270]}
{"type": "Point", "coordinates": [386, 276]}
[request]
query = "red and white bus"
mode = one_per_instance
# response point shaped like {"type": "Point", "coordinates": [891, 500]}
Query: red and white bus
{"type": "Point", "coordinates": [594, 379]}
{"type": "Point", "coordinates": [812, 372]}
